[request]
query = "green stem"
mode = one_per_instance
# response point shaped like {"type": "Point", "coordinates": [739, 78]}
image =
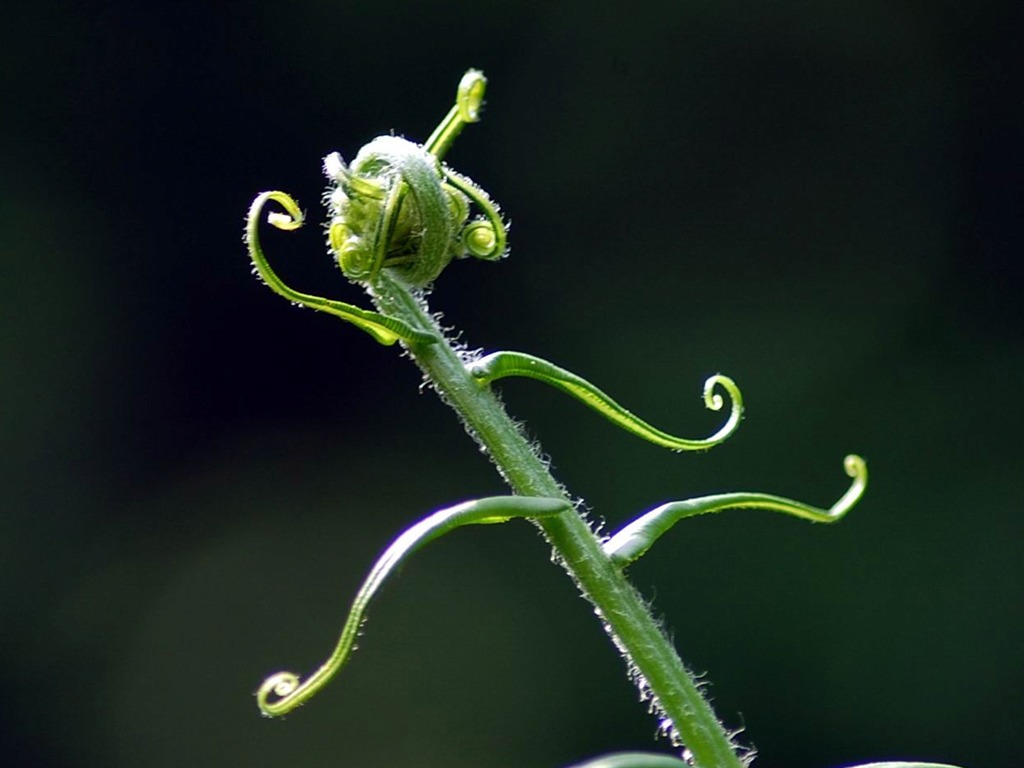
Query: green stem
{"type": "Point", "coordinates": [625, 615]}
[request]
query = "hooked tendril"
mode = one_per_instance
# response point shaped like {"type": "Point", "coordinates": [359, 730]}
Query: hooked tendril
{"type": "Point", "coordinates": [499, 365]}
{"type": "Point", "coordinates": [284, 691]}
{"type": "Point", "coordinates": [468, 100]}
{"type": "Point", "coordinates": [636, 537]}
{"type": "Point", "coordinates": [484, 238]}
{"type": "Point", "coordinates": [386, 330]}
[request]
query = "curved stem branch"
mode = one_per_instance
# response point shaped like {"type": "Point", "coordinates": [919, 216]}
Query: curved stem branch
{"type": "Point", "coordinates": [468, 100]}
{"type": "Point", "coordinates": [282, 692]}
{"type": "Point", "coordinates": [636, 538]}
{"type": "Point", "coordinates": [386, 330]}
{"type": "Point", "coordinates": [500, 365]}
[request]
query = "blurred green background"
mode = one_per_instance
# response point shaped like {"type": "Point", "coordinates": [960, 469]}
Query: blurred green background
{"type": "Point", "coordinates": [823, 200]}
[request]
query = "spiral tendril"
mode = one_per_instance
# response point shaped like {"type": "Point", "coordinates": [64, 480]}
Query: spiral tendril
{"type": "Point", "coordinates": [480, 239]}
{"type": "Point", "coordinates": [490, 245]}
{"type": "Point", "coordinates": [386, 330]}
{"type": "Point", "coordinates": [500, 365]}
{"type": "Point", "coordinates": [634, 539]}
{"type": "Point", "coordinates": [282, 692]}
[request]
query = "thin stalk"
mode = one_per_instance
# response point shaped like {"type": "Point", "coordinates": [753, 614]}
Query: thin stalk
{"type": "Point", "coordinates": [626, 617]}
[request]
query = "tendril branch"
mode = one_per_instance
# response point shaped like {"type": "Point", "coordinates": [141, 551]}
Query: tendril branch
{"type": "Point", "coordinates": [636, 538]}
{"type": "Point", "coordinates": [485, 238]}
{"type": "Point", "coordinates": [386, 330]}
{"type": "Point", "coordinates": [500, 365]}
{"type": "Point", "coordinates": [284, 691]}
{"type": "Point", "coordinates": [468, 100]}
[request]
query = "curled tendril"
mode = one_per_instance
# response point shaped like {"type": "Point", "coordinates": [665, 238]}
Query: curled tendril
{"type": "Point", "coordinates": [637, 537]}
{"type": "Point", "coordinates": [284, 691]}
{"type": "Point", "coordinates": [485, 238]}
{"type": "Point", "coordinates": [468, 100]}
{"type": "Point", "coordinates": [386, 330]}
{"type": "Point", "coordinates": [500, 365]}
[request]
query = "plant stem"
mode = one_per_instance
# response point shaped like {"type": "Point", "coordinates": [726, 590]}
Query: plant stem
{"type": "Point", "coordinates": [626, 617]}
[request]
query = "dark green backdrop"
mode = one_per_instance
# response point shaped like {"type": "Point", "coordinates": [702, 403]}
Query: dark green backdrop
{"type": "Point", "coordinates": [823, 200]}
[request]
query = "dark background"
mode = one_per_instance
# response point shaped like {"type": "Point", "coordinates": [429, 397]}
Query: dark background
{"type": "Point", "coordinates": [821, 199]}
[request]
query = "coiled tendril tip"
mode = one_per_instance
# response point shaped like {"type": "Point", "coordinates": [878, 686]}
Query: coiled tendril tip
{"type": "Point", "coordinates": [273, 697]}
{"type": "Point", "coordinates": [713, 401]}
{"type": "Point", "coordinates": [386, 330]}
{"type": "Point", "coordinates": [469, 98]}
{"type": "Point", "coordinates": [470, 95]}
{"type": "Point", "coordinates": [499, 365]}
{"type": "Point", "coordinates": [282, 692]}
{"type": "Point", "coordinates": [284, 221]}
{"type": "Point", "coordinates": [636, 537]}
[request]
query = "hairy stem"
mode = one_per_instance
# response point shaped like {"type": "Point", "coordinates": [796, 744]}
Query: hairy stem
{"type": "Point", "coordinates": [626, 617]}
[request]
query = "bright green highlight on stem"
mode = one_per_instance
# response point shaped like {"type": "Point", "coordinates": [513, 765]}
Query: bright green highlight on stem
{"type": "Point", "coordinates": [636, 538]}
{"type": "Point", "coordinates": [500, 365]}
{"type": "Point", "coordinates": [282, 692]}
